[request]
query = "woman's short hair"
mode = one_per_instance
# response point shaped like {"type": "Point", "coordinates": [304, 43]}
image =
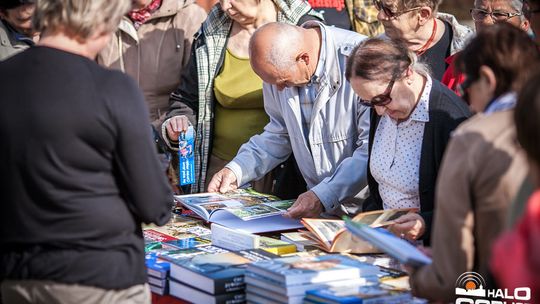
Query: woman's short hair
{"type": "Point", "coordinates": [382, 59]}
{"type": "Point", "coordinates": [507, 50]}
{"type": "Point", "coordinates": [526, 115]}
{"type": "Point", "coordinates": [79, 18]}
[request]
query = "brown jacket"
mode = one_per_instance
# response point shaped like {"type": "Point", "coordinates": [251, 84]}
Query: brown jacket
{"type": "Point", "coordinates": [481, 173]}
{"type": "Point", "coordinates": [155, 54]}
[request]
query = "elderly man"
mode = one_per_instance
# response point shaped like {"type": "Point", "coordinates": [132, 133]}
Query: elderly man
{"type": "Point", "coordinates": [433, 36]}
{"type": "Point", "coordinates": [489, 12]}
{"type": "Point", "coordinates": [313, 112]}
{"type": "Point", "coordinates": [16, 32]}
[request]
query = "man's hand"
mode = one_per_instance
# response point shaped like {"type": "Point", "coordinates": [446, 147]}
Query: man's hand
{"type": "Point", "coordinates": [307, 205]}
{"type": "Point", "coordinates": [223, 181]}
{"type": "Point", "coordinates": [175, 125]}
{"type": "Point", "coordinates": [410, 226]}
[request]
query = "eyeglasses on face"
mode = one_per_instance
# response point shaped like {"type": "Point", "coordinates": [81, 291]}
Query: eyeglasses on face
{"type": "Point", "coordinates": [388, 12]}
{"type": "Point", "coordinates": [479, 14]}
{"type": "Point", "coordinates": [380, 100]}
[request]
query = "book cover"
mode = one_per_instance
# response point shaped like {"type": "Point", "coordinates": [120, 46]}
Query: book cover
{"type": "Point", "coordinates": [317, 269]}
{"type": "Point", "coordinates": [160, 290]}
{"type": "Point", "coordinates": [217, 273]}
{"type": "Point", "coordinates": [394, 246]}
{"type": "Point", "coordinates": [357, 294]}
{"type": "Point", "coordinates": [276, 246]}
{"type": "Point", "coordinates": [275, 287]}
{"type": "Point", "coordinates": [241, 209]}
{"type": "Point", "coordinates": [194, 295]}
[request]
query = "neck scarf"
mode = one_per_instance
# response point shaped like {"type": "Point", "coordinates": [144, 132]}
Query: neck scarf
{"type": "Point", "coordinates": [141, 16]}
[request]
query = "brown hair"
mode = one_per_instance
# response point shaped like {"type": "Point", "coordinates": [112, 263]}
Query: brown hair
{"type": "Point", "coordinates": [526, 116]}
{"type": "Point", "coordinates": [507, 50]}
{"type": "Point", "coordinates": [381, 59]}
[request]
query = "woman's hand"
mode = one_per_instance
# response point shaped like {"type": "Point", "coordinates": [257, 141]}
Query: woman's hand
{"type": "Point", "coordinates": [175, 125]}
{"type": "Point", "coordinates": [410, 226]}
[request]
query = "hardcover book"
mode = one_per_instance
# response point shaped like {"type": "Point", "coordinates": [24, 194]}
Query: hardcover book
{"type": "Point", "coordinates": [194, 295]}
{"type": "Point", "coordinates": [217, 273]}
{"type": "Point", "coordinates": [332, 236]}
{"type": "Point", "coordinates": [317, 269]}
{"type": "Point", "coordinates": [241, 209]}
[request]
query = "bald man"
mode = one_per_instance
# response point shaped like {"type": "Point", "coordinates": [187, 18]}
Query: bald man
{"type": "Point", "coordinates": [313, 112]}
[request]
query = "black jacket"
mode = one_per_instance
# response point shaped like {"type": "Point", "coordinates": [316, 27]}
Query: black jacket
{"type": "Point", "coordinates": [446, 112]}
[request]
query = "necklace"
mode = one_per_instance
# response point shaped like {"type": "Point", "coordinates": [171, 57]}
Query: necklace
{"type": "Point", "coordinates": [426, 46]}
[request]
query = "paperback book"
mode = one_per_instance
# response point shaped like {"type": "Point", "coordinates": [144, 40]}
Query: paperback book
{"type": "Point", "coordinates": [194, 295]}
{"type": "Point", "coordinates": [242, 209]}
{"type": "Point", "coordinates": [332, 236]}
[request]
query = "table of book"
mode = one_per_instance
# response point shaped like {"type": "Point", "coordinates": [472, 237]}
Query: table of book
{"type": "Point", "coordinates": [184, 233]}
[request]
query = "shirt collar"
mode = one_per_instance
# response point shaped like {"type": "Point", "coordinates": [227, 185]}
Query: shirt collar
{"type": "Point", "coordinates": [504, 102]}
{"type": "Point", "coordinates": [317, 76]}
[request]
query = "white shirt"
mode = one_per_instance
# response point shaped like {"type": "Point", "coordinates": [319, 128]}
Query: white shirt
{"type": "Point", "coordinates": [395, 157]}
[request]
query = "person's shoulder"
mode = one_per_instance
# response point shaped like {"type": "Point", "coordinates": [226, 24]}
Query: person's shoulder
{"type": "Point", "coordinates": [444, 99]}
{"type": "Point", "coordinates": [189, 8]}
{"type": "Point", "coordinates": [489, 125]}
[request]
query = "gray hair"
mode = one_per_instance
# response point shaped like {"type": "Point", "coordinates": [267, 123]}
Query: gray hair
{"type": "Point", "coordinates": [285, 43]}
{"type": "Point", "coordinates": [79, 18]}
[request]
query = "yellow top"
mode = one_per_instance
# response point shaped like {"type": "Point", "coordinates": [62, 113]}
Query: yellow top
{"type": "Point", "coordinates": [239, 111]}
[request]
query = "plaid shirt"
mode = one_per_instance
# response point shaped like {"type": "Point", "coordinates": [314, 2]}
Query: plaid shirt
{"type": "Point", "coordinates": [214, 32]}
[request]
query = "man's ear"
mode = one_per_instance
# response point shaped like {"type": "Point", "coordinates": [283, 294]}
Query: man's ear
{"type": "Point", "coordinates": [424, 14]}
{"type": "Point", "coordinates": [525, 25]}
{"type": "Point", "coordinates": [304, 57]}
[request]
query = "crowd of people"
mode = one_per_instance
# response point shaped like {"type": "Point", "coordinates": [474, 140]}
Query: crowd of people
{"type": "Point", "coordinates": [347, 106]}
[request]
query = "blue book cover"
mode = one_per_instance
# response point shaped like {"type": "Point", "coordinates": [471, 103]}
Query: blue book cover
{"type": "Point", "coordinates": [302, 270]}
{"type": "Point", "coordinates": [357, 294]}
{"type": "Point", "coordinates": [186, 142]}
{"type": "Point", "coordinates": [217, 273]}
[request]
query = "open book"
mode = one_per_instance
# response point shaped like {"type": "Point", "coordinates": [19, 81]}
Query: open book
{"type": "Point", "coordinates": [243, 209]}
{"type": "Point", "coordinates": [395, 247]}
{"type": "Point", "coordinates": [332, 236]}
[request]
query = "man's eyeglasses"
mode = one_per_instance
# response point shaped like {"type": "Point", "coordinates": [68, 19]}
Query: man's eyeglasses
{"type": "Point", "coordinates": [380, 100]}
{"type": "Point", "coordinates": [463, 88]}
{"type": "Point", "coordinates": [388, 12]}
{"type": "Point", "coordinates": [480, 15]}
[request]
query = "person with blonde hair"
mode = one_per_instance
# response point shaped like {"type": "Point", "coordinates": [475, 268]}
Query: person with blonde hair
{"type": "Point", "coordinates": [79, 172]}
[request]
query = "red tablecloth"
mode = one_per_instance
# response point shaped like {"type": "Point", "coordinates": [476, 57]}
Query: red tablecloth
{"type": "Point", "coordinates": [157, 299]}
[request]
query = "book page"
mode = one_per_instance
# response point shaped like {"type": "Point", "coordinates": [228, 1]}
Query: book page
{"type": "Point", "coordinates": [325, 230]}
{"type": "Point", "coordinates": [202, 203]}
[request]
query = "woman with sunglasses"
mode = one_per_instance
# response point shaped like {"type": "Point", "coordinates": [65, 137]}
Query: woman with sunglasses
{"type": "Point", "coordinates": [483, 166]}
{"type": "Point", "coordinates": [433, 36]}
{"type": "Point", "coordinates": [411, 121]}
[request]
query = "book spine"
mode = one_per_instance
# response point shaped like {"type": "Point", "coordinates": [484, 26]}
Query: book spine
{"type": "Point", "coordinates": [226, 285]}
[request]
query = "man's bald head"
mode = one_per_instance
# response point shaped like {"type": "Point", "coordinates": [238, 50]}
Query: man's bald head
{"type": "Point", "coordinates": [275, 44]}
{"type": "Point", "coordinates": [285, 55]}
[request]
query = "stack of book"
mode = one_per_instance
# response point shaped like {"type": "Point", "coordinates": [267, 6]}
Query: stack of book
{"type": "Point", "coordinates": [176, 239]}
{"type": "Point", "coordinates": [356, 294]}
{"type": "Point", "coordinates": [286, 280]}
{"type": "Point", "coordinates": [213, 278]}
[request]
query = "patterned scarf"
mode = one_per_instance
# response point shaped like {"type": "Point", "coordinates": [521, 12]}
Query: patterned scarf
{"type": "Point", "coordinates": [141, 16]}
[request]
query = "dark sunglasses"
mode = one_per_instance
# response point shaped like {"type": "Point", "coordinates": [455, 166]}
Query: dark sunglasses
{"type": "Point", "coordinates": [388, 12]}
{"type": "Point", "coordinates": [463, 88]}
{"type": "Point", "coordinates": [381, 99]}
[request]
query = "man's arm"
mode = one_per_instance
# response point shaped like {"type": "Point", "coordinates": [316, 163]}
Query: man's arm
{"type": "Point", "coordinates": [350, 177]}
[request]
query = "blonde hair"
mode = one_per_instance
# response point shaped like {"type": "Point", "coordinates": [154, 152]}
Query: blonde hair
{"type": "Point", "coordinates": [79, 18]}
